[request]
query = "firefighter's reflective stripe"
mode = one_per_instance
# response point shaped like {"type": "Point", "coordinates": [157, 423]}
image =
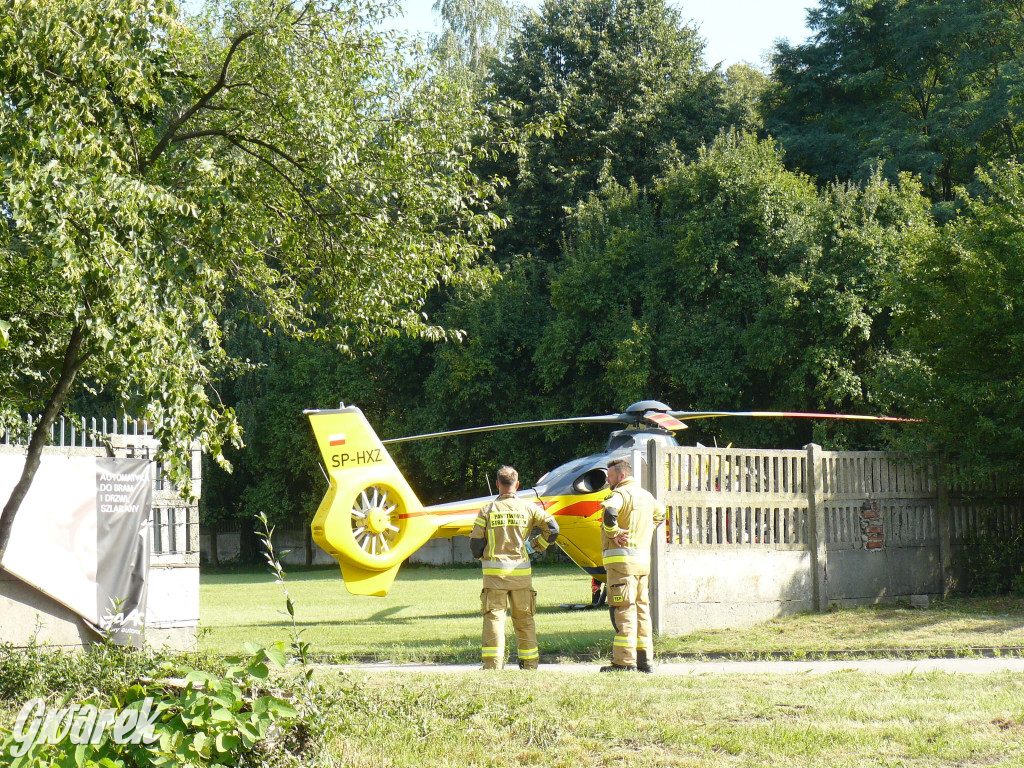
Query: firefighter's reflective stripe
{"type": "Point", "coordinates": [488, 652]}
{"type": "Point", "coordinates": [504, 568]}
{"type": "Point", "coordinates": [623, 641]}
{"type": "Point", "coordinates": [627, 555]}
{"type": "Point", "coordinates": [529, 653]}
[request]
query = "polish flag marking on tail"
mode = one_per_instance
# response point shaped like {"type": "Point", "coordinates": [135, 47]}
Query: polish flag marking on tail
{"type": "Point", "coordinates": [338, 439]}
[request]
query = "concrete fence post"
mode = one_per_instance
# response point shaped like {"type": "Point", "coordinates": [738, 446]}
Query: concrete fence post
{"type": "Point", "coordinates": [817, 542]}
{"type": "Point", "coordinates": [945, 520]}
{"type": "Point", "coordinates": [655, 483]}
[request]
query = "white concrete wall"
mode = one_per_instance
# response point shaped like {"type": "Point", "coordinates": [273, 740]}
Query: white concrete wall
{"type": "Point", "coordinates": [172, 605]}
{"type": "Point", "coordinates": [443, 552]}
{"type": "Point", "coordinates": [859, 576]}
{"type": "Point", "coordinates": [26, 614]}
{"type": "Point", "coordinates": [172, 612]}
{"type": "Point", "coordinates": [229, 548]}
{"type": "Point", "coordinates": [719, 588]}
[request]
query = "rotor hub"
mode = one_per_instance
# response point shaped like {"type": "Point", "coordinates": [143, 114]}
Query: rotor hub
{"type": "Point", "coordinates": [378, 520]}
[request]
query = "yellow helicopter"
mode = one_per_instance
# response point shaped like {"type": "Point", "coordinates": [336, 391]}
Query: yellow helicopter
{"type": "Point", "coordinates": [370, 520]}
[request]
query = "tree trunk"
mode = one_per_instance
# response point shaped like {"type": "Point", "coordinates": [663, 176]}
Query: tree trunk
{"type": "Point", "coordinates": [72, 363]}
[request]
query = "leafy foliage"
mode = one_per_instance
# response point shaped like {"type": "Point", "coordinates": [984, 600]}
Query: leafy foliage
{"type": "Point", "coordinates": [199, 718]}
{"type": "Point", "coordinates": [474, 33]}
{"type": "Point", "coordinates": [733, 285]}
{"type": "Point", "coordinates": [627, 80]}
{"type": "Point", "coordinates": [745, 88]}
{"type": "Point", "coordinates": [282, 160]}
{"type": "Point", "coordinates": [931, 87]}
{"type": "Point", "coordinates": [961, 364]}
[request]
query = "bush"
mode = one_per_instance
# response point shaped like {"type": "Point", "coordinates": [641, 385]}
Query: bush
{"type": "Point", "coordinates": [199, 718]}
{"type": "Point", "coordinates": [991, 560]}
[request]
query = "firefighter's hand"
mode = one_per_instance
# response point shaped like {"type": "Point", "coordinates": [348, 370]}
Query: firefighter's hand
{"type": "Point", "coordinates": [536, 546]}
{"type": "Point", "coordinates": [622, 538]}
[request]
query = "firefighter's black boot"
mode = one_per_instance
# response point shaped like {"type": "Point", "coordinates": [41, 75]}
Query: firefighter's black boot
{"type": "Point", "coordinates": [643, 664]}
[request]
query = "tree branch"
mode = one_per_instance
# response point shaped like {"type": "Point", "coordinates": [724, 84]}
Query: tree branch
{"type": "Point", "coordinates": [298, 163]}
{"type": "Point", "coordinates": [172, 129]}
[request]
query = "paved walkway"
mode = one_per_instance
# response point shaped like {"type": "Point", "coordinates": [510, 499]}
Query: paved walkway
{"type": "Point", "coordinates": [967, 666]}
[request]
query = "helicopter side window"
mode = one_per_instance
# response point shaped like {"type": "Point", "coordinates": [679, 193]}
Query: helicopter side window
{"type": "Point", "coordinates": [591, 481]}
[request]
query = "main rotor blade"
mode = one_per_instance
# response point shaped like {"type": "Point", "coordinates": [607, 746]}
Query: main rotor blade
{"type": "Point", "coordinates": [609, 419]}
{"type": "Point", "coordinates": [665, 421]}
{"type": "Point", "coordinates": [785, 415]}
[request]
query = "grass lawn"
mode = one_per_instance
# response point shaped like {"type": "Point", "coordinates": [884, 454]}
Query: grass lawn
{"type": "Point", "coordinates": [431, 614]}
{"type": "Point", "coordinates": [955, 627]}
{"type": "Point", "coordinates": [513, 719]}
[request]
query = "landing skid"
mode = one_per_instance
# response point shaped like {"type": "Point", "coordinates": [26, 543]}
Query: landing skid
{"type": "Point", "coordinates": [599, 596]}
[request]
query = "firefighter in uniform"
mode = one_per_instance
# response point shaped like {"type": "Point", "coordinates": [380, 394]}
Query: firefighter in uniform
{"type": "Point", "coordinates": [631, 516]}
{"type": "Point", "coordinates": [499, 539]}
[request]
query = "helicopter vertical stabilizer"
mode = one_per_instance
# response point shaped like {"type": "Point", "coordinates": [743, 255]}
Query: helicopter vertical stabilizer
{"type": "Point", "coordinates": [370, 520]}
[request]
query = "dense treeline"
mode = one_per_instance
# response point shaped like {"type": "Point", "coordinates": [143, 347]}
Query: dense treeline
{"type": "Point", "coordinates": [843, 234]}
{"type": "Point", "coordinates": [932, 86]}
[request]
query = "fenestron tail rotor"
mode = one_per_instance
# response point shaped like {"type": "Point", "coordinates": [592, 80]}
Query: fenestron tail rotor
{"type": "Point", "coordinates": [375, 520]}
{"type": "Point", "coordinates": [370, 520]}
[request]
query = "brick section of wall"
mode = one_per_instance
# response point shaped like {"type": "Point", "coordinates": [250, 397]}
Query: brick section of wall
{"type": "Point", "coordinates": [872, 525]}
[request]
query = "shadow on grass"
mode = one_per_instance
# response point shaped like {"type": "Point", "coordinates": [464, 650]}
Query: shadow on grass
{"type": "Point", "coordinates": [387, 616]}
{"type": "Point", "coordinates": [386, 613]}
{"type": "Point", "coordinates": [369, 621]}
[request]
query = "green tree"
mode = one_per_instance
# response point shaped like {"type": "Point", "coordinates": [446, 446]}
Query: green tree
{"type": "Point", "coordinates": [745, 88]}
{"type": "Point", "coordinates": [961, 364]}
{"type": "Point", "coordinates": [733, 284]}
{"type": "Point", "coordinates": [280, 159]}
{"type": "Point", "coordinates": [627, 80]}
{"type": "Point", "coordinates": [473, 34]}
{"type": "Point", "coordinates": [932, 87]}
